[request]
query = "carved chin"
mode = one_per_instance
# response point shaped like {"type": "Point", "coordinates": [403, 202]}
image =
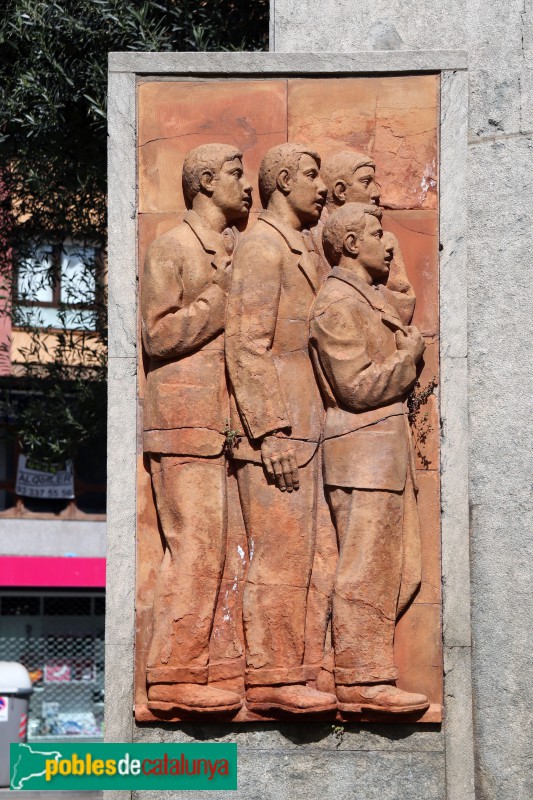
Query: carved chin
{"type": "Point", "coordinates": [239, 213]}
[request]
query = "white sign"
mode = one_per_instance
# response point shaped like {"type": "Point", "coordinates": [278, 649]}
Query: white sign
{"type": "Point", "coordinates": [47, 485]}
{"type": "Point", "coordinates": [4, 709]}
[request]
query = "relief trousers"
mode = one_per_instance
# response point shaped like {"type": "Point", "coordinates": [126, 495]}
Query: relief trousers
{"type": "Point", "coordinates": [378, 573]}
{"type": "Point", "coordinates": [280, 529]}
{"type": "Point", "coordinates": [191, 502]}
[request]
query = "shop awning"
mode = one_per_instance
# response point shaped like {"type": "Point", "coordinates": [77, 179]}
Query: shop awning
{"type": "Point", "coordinates": [47, 571]}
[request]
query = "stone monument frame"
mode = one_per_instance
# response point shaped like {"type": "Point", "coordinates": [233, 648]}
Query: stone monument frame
{"type": "Point", "coordinates": [456, 742]}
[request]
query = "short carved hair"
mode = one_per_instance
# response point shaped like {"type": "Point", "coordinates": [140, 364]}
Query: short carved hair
{"type": "Point", "coordinates": [205, 158]}
{"type": "Point", "coordinates": [349, 218]}
{"type": "Point", "coordinates": [342, 166]}
{"type": "Point", "coordinates": [282, 156]}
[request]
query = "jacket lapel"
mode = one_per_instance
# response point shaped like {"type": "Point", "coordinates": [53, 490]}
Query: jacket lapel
{"type": "Point", "coordinates": [212, 244]}
{"type": "Point", "coordinates": [307, 264]}
{"type": "Point", "coordinates": [296, 243]}
{"type": "Point", "coordinates": [372, 296]}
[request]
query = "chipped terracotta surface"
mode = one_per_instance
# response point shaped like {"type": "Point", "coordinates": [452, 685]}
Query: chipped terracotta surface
{"type": "Point", "coordinates": [417, 233]}
{"type": "Point", "coordinates": [174, 117]}
{"type": "Point", "coordinates": [393, 119]}
{"type": "Point", "coordinates": [242, 646]}
{"type": "Point", "coordinates": [426, 428]}
{"type": "Point", "coordinates": [426, 434]}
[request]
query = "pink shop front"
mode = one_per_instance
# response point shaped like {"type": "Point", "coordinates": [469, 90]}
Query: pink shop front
{"type": "Point", "coordinates": [52, 613]}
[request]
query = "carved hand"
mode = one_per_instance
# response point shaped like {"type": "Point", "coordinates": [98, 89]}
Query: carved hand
{"type": "Point", "coordinates": [397, 280]}
{"type": "Point", "coordinates": [279, 460]}
{"type": "Point", "coordinates": [413, 342]}
{"type": "Point", "coordinates": [222, 276]}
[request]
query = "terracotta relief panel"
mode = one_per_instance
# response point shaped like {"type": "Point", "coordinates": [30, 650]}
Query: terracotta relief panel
{"type": "Point", "coordinates": [288, 533]}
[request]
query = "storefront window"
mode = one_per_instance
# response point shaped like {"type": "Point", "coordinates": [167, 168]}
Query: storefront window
{"type": "Point", "coordinates": [59, 638]}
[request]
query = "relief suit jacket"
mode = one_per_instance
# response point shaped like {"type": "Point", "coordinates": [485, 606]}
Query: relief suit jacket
{"type": "Point", "coordinates": [364, 380]}
{"type": "Point", "coordinates": [267, 334]}
{"type": "Point", "coordinates": [186, 405]}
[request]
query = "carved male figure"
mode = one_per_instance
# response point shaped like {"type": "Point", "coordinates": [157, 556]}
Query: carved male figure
{"type": "Point", "coordinates": [350, 177]}
{"type": "Point", "coordinates": [365, 360]}
{"type": "Point", "coordinates": [280, 410]}
{"type": "Point", "coordinates": [184, 294]}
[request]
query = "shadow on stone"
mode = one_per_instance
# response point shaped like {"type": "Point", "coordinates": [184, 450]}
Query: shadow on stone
{"type": "Point", "coordinates": [296, 732]}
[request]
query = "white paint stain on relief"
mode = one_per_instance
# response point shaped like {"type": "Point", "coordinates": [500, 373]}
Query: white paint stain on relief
{"type": "Point", "coordinates": [428, 182]}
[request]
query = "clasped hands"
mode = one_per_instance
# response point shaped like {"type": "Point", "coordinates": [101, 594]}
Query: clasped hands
{"type": "Point", "coordinates": [222, 274]}
{"type": "Point", "coordinates": [279, 460]}
{"type": "Point", "coordinates": [412, 342]}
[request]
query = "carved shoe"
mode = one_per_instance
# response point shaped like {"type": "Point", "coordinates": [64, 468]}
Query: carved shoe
{"type": "Point", "coordinates": [293, 699]}
{"type": "Point", "coordinates": [380, 697]}
{"type": "Point", "coordinates": [193, 698]}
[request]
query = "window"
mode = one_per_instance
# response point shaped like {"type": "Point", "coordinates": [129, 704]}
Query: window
{"type": "Point", "coordinates": [15, 606]}
{"type": "Point", "coordinates": [58, 309]}
{"type": "Point", "coordinates": [57, 286]}
{"type": "Point", "coordinates": [58, 606]}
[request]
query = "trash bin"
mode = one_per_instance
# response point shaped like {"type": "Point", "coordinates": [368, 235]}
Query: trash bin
{"type": "Point", "coordinates": [15, 691]}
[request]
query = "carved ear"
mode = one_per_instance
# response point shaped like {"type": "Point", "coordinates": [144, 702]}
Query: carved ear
{"type": "Point", "coordinates": [283, 181]}
{"type": "Point", "coordinates": [350, 244]}
{"type": "Point", "coordinates": [206, 181]}
{"type": "Point", "coordinates": [339, 192]}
